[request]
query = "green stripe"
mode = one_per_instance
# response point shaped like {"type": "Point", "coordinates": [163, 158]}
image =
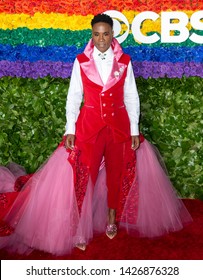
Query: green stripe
{"type": "Point", "coordinates": [44, 37]}
{"type": "Point", "coordinates": [58, 37]}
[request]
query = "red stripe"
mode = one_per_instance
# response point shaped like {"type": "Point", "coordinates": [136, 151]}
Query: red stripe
{"type": "Point", "coordinates": [85, 7]}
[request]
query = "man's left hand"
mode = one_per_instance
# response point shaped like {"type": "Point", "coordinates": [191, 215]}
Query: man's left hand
{"type": "Point", "coordinates": [135, 142]}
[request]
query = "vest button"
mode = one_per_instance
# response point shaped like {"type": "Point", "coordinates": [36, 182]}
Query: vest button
{"type": "Point", "coordinates": [102, 94]}
{"type": "Point", "coordinates": [104, 104]}
{"type": "Point", "coordinates": [104, 115]}
{"type": "Point", "coordinates": [112, 104]}
{"type": "Point", "coordinates": [112, 114]}
{"type": "Point", "coordinates": [110, 94]}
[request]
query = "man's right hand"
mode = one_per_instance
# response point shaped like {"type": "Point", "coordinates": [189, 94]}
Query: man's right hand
{"type": "Point", "coordinates": [70, 141]}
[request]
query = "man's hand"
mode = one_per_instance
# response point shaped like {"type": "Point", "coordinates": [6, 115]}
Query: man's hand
{"type": "Point", "coordinates": [70, 141]}
{"type": "Point", "coordinates": [135, 142]}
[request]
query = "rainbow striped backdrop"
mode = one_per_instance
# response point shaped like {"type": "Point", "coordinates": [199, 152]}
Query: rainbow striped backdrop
{"type": "Point", "coordinates": [41, 38]}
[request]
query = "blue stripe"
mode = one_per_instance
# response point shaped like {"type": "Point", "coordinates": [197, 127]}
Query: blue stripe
{"type": "Point", "coordinates": [166, 54]}
{"type": "Point", "coordinates": [68, 54]}
{"type": "Point", "coordinates": [34, 53]}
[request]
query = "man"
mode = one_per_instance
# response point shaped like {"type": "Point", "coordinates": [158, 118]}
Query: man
{"type": "Point", "coordinates": [107, 124]}
{"type": "Point", "coordinates": [70, 200]}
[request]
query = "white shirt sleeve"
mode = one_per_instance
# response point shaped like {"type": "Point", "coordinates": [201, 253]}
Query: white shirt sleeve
{"type": "Point", "coordinates": [131, 100]}
{"type": "Point", "coordinates": [74, 98]}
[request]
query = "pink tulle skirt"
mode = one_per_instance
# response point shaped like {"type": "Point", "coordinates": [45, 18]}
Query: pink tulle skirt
{"type": "Point", "coordinates": [45, 214]}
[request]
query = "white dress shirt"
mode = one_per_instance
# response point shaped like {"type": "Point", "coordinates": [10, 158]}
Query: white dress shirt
{"type": "Point", "coordinates": [104, 66]}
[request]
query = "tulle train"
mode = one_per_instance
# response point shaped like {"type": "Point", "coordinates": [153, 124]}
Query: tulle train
{"type": "Point", "coordinates": [45, 215]}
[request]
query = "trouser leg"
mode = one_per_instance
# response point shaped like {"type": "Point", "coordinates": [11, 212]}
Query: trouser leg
{"type": "Point", "coordinates": [97, 154]}
{"type": "Point", "coordinates": [114, 169]}
{"type": "Point", "coordinates": [113, 154]}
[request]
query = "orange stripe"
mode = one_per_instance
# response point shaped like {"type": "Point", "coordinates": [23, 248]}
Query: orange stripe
{"type": "Point", "coordinates": [85, 7]}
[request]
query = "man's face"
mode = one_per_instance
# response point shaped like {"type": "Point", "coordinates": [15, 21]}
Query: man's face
{"type": "Point", "coordinates": [102, 35]}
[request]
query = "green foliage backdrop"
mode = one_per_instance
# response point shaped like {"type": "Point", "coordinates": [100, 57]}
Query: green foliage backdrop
{"type": "Point", "coordinates": [172, 119]}
{"type": "Point", "coordinates": [32, 119]}
{"type": "Point", "coordinates": [32, 122]}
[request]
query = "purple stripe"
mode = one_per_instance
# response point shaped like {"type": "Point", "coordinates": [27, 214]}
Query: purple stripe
{"type": "Point", "coordinates": [35, 70]}
{"type": "Point", "coordinates": [143, 69]}
{"type": "Point", "coordinates": [155, 70]}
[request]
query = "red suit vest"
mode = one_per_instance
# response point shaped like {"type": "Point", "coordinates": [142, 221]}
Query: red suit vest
{"type": "Point", "coordinates": [103, 104]}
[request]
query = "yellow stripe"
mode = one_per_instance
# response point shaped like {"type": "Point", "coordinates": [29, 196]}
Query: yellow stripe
{"type": "Point", "coordinates": [43, 20]}
{"type": "Point", "coordinates": [63, 21]}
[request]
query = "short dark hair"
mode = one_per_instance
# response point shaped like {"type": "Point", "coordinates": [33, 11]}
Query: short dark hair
{"type": "Point", "coordinates": [102, 18]}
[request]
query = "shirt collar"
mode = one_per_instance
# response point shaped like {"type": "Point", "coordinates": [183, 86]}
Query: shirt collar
{"type": "Point", "coordinates": [108, 54]}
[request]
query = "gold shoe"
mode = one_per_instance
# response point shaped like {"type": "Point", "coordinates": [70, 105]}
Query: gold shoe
{"type": "Point", "coordinates": [111, 230]}
{"type": "Point", "coordinates": [81, 246]}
